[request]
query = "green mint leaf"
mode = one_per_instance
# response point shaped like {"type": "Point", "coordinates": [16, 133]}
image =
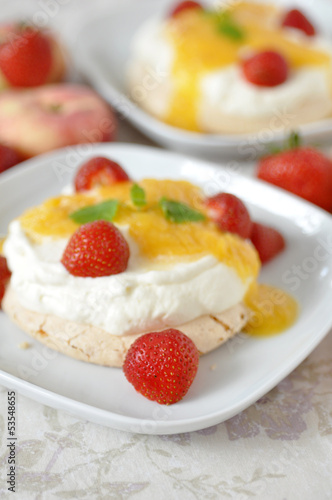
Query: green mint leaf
{"type": "Point", "coordinates": [178, 212]}
{"type": "Point", "coordinates": [102, 211]}
{"type": "Point", "coordinates": [231, 31]}
{"type": "Point", "coordinates": [137, 195]}
{"type": "Point", "coordinates": [228, 27]}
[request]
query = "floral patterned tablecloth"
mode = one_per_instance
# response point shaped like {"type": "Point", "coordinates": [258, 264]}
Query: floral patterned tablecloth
{"type": "Point", "coordinates": [280, 448]}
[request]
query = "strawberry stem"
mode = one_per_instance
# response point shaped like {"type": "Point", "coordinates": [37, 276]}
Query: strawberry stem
{"type": "Point", "coordinates": [292, 142]}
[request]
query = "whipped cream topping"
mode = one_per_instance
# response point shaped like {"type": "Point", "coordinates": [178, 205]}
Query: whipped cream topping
{"type": "Point", "coordinates": [233, 95]}
{"type": "Point", "coordinates": [149, 69]}
{"type": "Point", "coordinates": [140, 299]}
{"type": "Point", "coordinates": [152, 45]}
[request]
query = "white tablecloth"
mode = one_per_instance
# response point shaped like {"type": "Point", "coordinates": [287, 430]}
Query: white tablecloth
{"type": "Point", "coordinates": [278, 449]}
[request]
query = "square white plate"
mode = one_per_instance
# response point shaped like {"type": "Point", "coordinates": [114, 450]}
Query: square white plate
{"type": "Point", "coordinates": [245, 368]}
{"type": "Point", "coordinates": [102, 51]}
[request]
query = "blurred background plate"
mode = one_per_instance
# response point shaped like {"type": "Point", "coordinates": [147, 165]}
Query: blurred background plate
{"type": "Point", "coordinates": [102, 50]}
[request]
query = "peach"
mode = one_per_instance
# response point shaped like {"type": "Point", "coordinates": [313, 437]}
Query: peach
{"type": "Point", "coordinates": [37, 120]}
{"type": "Point", "coordinates": [10, 33]}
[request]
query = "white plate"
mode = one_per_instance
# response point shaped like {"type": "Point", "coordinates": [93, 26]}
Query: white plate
{"type": "Point", "coordinates": [245, 368]}
{"type": "Point", "coordinates": [103, 49]}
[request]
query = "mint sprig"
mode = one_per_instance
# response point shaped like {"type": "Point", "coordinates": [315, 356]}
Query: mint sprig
{"type": "Point", "coordinates": [178, 212]}
{"type": "Point", "coordinates": [137, 195]}
{"type": "Point", "coordinates": [173, 210]}
{"type": "Point", "coordinates": [227, 26]}
{"type": "Point", "coordinates": [102, 211]}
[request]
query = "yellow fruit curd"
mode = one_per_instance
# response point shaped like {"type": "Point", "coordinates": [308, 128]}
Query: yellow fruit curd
{"type": "Point", "coordinates": [2, 240]}
{"type": "Point", "coordinates": [272, 310]}
{"type": "Point", "coordinates": [200, 47]}
{"type": "Point", "coordinates": [162, 241]}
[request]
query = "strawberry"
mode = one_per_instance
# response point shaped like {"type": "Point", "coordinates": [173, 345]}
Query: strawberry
{"type": "Point", "coordinates": [229, 213]}
{"type": "Point", "coordinates": [296, 19]}
{"type": "Point", "coordinates": [96, 249]}
{"type": "Point", "coordinates": [267, 241]}
{"type": "Point", "coordinates": [265, 69]}
{"type": "Point", "coordinates": [4, 276]}
{"type": "Point", "coordinates": [162, 365]}
{"type": "Point", "coordinates": [99, 171]}
{"type": "Point", "coordinates": [186, 5]}
{"type": "Point", "coordinates": [303, 171]}
{"type": "Point", "coordinates": [26, 59]}
{"type": "Point", "coordinates": [8, 158]}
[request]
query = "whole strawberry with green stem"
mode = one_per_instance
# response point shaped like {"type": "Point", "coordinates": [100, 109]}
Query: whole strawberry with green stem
{"type": "Point", "coordinates": [302, 170]}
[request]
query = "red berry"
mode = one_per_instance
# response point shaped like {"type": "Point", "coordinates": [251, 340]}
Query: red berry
{"type": "Point", "coordinates": [96, 249]}
{"type": "Point", "coordinates": [162, 365]}
{"type": "Point", "coordinates": [26, 58]}
{"type": "Point", "coordinates": [8, 158]}
{"type": "Point", "coordinates": [4, 276]}
{"type": "Point", "coordinates": [99, 171]}
{"type": "Point", "coordinates": [229, 213]}
{"type": "Point", "coordinates": [186, 5]}
{"type": "Point", "coordinates": [267, 241]}
{"type": "Point", "coordinates": [303, 171]}
{"type": "Point", "coordinates": [266, 69]}
{"type": "Point", "coordinates": [295, 19]}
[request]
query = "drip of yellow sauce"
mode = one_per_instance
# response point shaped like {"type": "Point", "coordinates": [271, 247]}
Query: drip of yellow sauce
{"type": "Point", "coordinates": [272, 310]}
{"type": "Point", "coordinates": [199, 49]}
{"type": "Point", "coordinates": [2, 240]}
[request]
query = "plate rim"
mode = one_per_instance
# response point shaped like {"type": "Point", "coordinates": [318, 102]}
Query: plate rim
{"type": "Point", "coordinates": [142, 119]}
{"type": "Point", "coordinates": [149, 425]}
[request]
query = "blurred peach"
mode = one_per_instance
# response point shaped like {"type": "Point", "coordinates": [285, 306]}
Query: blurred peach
{"type": "Point", "coordinates": [34, 121]}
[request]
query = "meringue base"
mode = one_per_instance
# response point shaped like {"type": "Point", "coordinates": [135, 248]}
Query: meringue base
{"type": "Point", "coordinates": [95, 345]}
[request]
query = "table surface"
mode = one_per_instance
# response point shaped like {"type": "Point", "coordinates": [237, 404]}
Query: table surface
{"type": "Point", "coordinates": [279, 448]}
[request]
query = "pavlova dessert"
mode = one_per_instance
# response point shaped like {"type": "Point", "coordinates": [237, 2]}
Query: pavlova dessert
{"type": "Point", "coordinates": [237, 68]}
{"type": "Point", "coordinates": [94, 270]}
